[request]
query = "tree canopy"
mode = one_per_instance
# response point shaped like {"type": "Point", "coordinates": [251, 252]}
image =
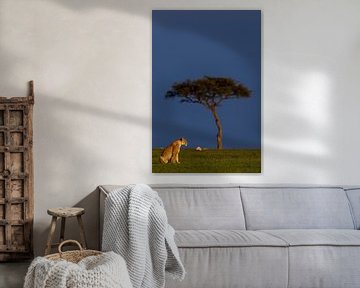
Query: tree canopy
{"type": "Point", "coordinates": [208, 91]}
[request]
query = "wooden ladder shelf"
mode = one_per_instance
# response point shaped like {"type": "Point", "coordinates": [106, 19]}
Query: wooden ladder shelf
{"type": "Point", "coordinates": [16, 177]}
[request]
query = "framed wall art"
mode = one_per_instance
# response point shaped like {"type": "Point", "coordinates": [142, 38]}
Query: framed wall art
{"type": "Point", "coordinates": [206, 91]}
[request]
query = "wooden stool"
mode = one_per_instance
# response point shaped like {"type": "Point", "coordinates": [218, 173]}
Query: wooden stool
{"type": "Point", "coordinates": [64, 213]}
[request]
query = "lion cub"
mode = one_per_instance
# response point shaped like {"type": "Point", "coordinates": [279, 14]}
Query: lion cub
{"type": "Point", "coordinates": [171, 152]}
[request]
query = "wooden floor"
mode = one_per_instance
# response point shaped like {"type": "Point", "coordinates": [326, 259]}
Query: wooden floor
{"type": "Point", "coordinates": [12, 274]}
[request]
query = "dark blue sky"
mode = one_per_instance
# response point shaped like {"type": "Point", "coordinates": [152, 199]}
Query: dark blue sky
{"type": "Point", "coordinates": [218, 43]}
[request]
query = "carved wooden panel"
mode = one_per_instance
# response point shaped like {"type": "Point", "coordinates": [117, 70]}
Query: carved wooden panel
{"type": "Point", "coordinates": [16, 177]}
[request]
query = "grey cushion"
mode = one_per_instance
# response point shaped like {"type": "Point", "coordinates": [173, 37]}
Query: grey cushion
{"type": "Point", "coordinates": [322, 257]}
{"type": "Point", "coordinates": [191, 208]}
{"type": "Point", "coordinates": [354, 198]}
{"type": "Point", "coordinates": [318, 237]}
{"type": "Point", "coordinates": [225, 238]}
{"type": "Point", "coordinates": [296, 208]}
{"type": "Point", "coordinates": [324, 267]}
{"type": "Point", "coordinates": [223, 267]}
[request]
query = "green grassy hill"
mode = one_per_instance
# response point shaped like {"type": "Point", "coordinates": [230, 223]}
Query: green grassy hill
{"type": "Point", "coordinates": [211, 161]}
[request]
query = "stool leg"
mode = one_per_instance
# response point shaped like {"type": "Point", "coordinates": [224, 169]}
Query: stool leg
{"type": "Point", "coordinates": [51, 235]}
{"type": "Point", "coordinates": [62, 231]}
{"type": "Point", "coordinates": [82, 232]}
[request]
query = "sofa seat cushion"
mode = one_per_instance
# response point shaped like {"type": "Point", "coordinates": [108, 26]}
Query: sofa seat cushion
{"type": "Point", "coordinates": [235, 267]}
{"type": "Point", "coordinates": [317, 237]}
{"type": "Point", "coordinates": [225, 238]}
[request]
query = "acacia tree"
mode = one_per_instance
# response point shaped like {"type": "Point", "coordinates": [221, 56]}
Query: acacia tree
{"type": "Point", "coordinates": [209, 92]}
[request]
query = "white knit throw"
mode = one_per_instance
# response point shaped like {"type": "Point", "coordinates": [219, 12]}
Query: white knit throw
{"type": "Point", "coordinates": [103, 271]}
{"type": "Point", "coordinates": [136, 227]}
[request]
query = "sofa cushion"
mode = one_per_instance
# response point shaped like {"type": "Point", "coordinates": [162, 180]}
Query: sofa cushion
{"type": "Point", "coordinates": [323, 258]}
{"type": "Point", "coordinates": [191, 208]}
{"type": "Point", "coordinates": [317, 237]}
{"type": "Point", "coordinates": [220, 267]}
{"type": "Point", "coordinates": [226, 238]}
{"type": "Point", "coordinates": [296, 208]}
{"type": "Point", "coordinates": [324, 266]}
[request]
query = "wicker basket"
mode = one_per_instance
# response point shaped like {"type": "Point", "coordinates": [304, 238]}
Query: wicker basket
{"type": "Point", "coordinates": [72, 256]}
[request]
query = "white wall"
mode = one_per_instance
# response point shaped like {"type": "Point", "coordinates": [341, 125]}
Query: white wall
{"type": "Point", "coordinates": [91, 63]}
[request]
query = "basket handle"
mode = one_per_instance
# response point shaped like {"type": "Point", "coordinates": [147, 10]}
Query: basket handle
{"type": "Point", "coordinates": [69, 241]}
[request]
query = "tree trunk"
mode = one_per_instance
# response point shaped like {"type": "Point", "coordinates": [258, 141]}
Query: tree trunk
{"type": "Point", "coordinates": [219, 127]}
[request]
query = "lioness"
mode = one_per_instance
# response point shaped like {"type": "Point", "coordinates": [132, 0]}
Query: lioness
{"type": "Point", "coordinates": [171, 152]}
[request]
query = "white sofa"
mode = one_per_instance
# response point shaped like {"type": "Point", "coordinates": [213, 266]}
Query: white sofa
{"type": "Point", "coordinates": [264, 237]}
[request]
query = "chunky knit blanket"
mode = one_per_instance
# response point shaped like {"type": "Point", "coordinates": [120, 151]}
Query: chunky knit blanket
{"type": "Point", "coordinates": [102, 271]}
{"type": "Point", "coordinates": [136, 227]}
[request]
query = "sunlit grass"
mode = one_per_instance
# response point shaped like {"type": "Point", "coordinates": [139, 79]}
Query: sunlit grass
{"type": "Point", "coordinates": [211, 161]}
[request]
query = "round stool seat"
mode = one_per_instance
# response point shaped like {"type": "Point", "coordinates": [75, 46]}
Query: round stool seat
{"type": "Point", "coordinates": [66, 211]}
